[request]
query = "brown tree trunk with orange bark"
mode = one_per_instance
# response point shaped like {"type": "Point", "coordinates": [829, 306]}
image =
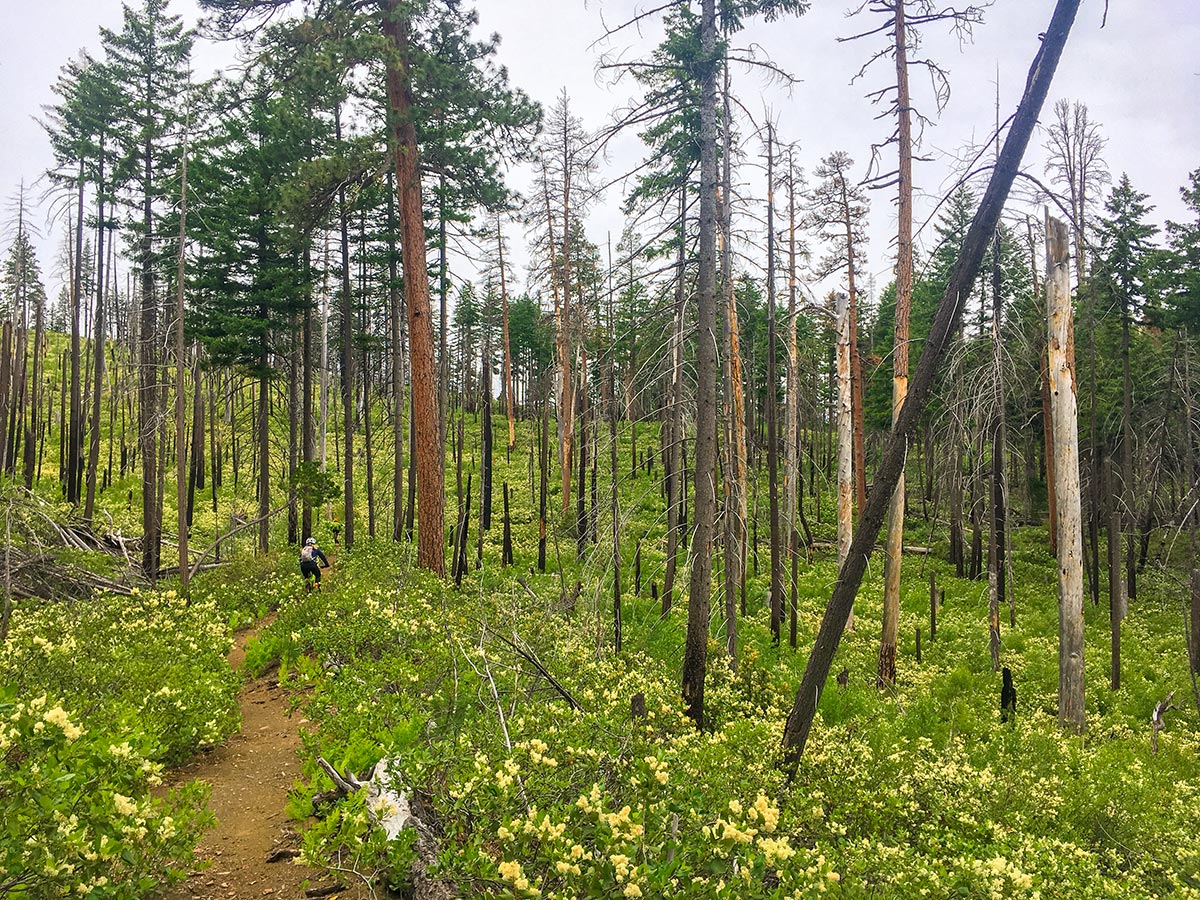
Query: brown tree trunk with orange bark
{"type": "Point", "coordinates": [403, 134]}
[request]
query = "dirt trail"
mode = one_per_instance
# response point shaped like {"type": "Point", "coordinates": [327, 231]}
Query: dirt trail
{"type": "Point", "coordinates": [250, 776]}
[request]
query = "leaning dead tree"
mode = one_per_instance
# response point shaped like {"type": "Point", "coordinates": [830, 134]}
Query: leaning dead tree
{"type": "Point", "coordinates": [945, 322]}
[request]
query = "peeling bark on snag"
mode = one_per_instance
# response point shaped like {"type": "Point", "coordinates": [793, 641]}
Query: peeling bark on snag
{"type": "Point", "coordinates": [799, 723]}
{"type": "Point", "coordinates": [904, 279]}
{"type": "Point", "coordinates": [1065, 415]}
{"type": "Point", "coordinates": [845, 436]}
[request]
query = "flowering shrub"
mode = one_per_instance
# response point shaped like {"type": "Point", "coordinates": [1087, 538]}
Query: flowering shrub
{"type": "Point", "coordinates": [248, 590]}
{"type": "Point", "coordinates": [150, 663]}
{"type": "Point", "coordinates": [94, 699]}
{"type": "Point", "coordinates": [916, 793]}
{"type": "Point", "coordinates": [346, 835]}
{"type": "Point", "coordinates": [79, 820]}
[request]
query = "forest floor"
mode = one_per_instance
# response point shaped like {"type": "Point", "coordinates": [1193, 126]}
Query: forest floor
{"type": "Point", "coordinates": [553, 765]}
{"type": "Point", "coordinates": [250, 776]}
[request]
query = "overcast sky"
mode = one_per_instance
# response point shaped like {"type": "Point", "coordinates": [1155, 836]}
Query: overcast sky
{"type": "Point", "coordinates": [1139, 75]}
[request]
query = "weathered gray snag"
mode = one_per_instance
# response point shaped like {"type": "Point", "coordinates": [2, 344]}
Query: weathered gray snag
{"type": "Point", "coordinates": [1064, 412]}
{"type": "Point", "coordinates": [1158, 719]}
{"type": "Point", "coordinates": [949, 312]}
{"type": "Point", "coordinates": [772, 405]}
{"type": "Point", "coordinates": [845, 438]}
{"type": "Point", "coordinates": [904, 279]}
{"type": "Point", "coordinates": [793, 490]}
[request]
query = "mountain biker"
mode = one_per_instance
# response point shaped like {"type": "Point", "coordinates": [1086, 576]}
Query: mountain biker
{"type": "Point", "coordinates": [310, 553]}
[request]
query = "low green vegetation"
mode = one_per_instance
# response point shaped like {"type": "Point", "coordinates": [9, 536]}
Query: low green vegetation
{"type": "Point", "coordinates": [96, 699]}
{"type": "Point", "coordinates": [504, 707]}
{"type": "Point", "coordinates": [921, 792]}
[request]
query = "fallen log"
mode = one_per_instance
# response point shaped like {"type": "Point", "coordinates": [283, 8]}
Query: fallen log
{"type": "Point", "coordinates": [911, 549]}
{"type": "Point", "coordinates": [393, 811]}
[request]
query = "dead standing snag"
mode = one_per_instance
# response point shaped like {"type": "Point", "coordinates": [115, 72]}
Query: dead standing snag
{"type": "Point", "coordinates": [949, 311]}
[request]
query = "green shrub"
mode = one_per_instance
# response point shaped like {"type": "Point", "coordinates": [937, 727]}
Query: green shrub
{"type": "Point", "coordinates": [150, 663]}
{"type": "Point", "coordinates": [94, 698]}
{"type": "Point", "coordinates": [78, 818]}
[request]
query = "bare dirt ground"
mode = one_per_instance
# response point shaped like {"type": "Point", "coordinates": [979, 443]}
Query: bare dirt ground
{"type": "Point", "coordinates": [250, 776]}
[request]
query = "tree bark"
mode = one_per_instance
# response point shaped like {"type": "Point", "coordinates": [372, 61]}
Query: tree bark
{"type": "Point", "coordinates": [673, 432]}
{"type": "Point", "coordinates": [696, 645]}
{"type": "Point", "coordinates": [486, 439]}
{"type": "Point", "coordinates": [1116, 587]}
{"type": "Point", "coordinates": [544, 472]}
{"type": "Point", "coordinates": [1127, 483]}
{"type": "Point", "coordinates": [180, 363]}
{"type": "Point", "coordinates": [507, 386]}
{"type": "Point", "coordinates": [562, 346]}
{"type": "Point", "coordinates": [613, 498]}
{"type": "Point", "coordinates": [777, 561]}
{"type": "Point", "coordinates": [856, 389]}
{"type": "Point", "coordinates": [196, 461]}
{"type": "Point", "coordinates": [75, 434]}
{"type": "Point", "coordinates": [6, 368]}
{"type": "Point", "coordinates": [998, 531]}
{"type": "Point", "coordinates": [1192, 603]}
{"type": "Point", "coordinates": [793, 490]}
{"type": "Point", "coordinates": [35, 389]}
{"type": "Point", "coordinates": [395, 315]}
{"type": "Point", "coordinates": [1047, 425]}
{"type": "Point", "coordinates": [99, 342]}
{"type": "Point", "coordinates": [581, 397]}
{"type": "Point", "coordinates": [904, 278]}
{"type": "Point", "coordinates": [148, 380]}
{"type": "Point", "coordinates": [347, 360]}
{"type": "Point", "coordinates": [845, 435]}
{"type": "Point", "coordinates": [735, 458]}
{"type": "Point", "coordinates": [1071, 712]}
{"type": "Point", "coordinates": [423, 376]}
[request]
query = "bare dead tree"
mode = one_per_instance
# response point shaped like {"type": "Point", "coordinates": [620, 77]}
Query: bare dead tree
{"type": "Point", "coordinates": [1037, 86]}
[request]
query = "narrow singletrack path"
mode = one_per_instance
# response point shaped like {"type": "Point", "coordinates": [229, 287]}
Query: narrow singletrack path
{"type": "Point", "coordinates": [250, 776]}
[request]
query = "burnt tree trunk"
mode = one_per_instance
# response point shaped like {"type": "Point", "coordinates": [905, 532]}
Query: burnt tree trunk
{"type": "Point", "coordinates": [695, 655]}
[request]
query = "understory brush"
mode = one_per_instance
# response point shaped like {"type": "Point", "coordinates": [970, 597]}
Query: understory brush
{"type": "Point", "coordinates": [558, 768]}
{"type": "Point", "coordinates": [95, 698]}
{"type": "Point", "coordinates": [247, 589]}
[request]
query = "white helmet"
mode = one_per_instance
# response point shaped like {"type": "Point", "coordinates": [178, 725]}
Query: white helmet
{"type": "Point", "coordinates": [310, 542]}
